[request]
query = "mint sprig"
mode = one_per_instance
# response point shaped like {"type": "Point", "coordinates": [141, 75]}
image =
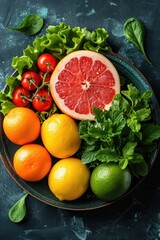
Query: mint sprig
{"type": "Point", "coordinates": [122, 133]}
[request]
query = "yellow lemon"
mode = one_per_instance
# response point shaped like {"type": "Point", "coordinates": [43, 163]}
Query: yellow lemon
{"type": "Point", "coordinates": [60, 135]}
{"type": "Point", "coordinates": [69, 179]}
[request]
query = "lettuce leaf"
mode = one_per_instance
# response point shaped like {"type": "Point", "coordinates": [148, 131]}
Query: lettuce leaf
{"type": "Point", "coordinates": [21, 63]}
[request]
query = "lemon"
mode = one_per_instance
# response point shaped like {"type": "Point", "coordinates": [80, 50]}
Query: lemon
{"type": "Point", "coordinates": [69, 179]}
{"type": "Point", "coordinates": [109, 182]}
{"type": "Point", "coordinates": [60, 135]}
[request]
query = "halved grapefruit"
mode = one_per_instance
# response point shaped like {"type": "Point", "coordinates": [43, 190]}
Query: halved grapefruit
{"type": "Point", "coordinates": [83, 80]}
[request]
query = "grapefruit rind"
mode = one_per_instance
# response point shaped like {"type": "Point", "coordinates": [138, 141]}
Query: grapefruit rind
{"type": "Point", "coordinates": [78, 90]}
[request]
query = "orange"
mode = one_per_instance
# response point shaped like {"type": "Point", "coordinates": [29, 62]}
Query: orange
{"type": "Point", "coordinates": [109, 182]}
{"type": "Point", "coordinates": [69, 179]}
{"type": "Point", "coordinates": [32, 162]}
{"type": "Point", "coordinates": [83, 80]}
{"type": "Point", "coordinates": [21, 125]}
{"type": "Point", "coordinates": [60, 135]}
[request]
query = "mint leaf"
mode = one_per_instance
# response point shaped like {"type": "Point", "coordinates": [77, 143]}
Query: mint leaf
{"type": "Point", "coordinates": [133, 123]}
{"type": "Point", "coordinates": [121, 133]}
{"type": "Point", "coordinates": [143, 114]}
{"type": "Point", "coordinates": [88, 155]}
{"type": "Point", "coordinates": [121, 104]}
{"type": "Point", "coordinates": [118, 122]}
{"type": "Point", "coordinates": [84, 128]}
{"type": "Point", "coordinates": [123, 163]}
{"type": "Point", "coordinates": [105, 155]}
{"type": "Point", "coordinates": [132, 94]}
{"type": "Point", "coordinates": [128, 149]}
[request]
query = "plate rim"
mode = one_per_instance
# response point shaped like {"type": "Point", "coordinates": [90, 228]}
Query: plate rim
{"type": "Point", "coordinates": [3, 154]}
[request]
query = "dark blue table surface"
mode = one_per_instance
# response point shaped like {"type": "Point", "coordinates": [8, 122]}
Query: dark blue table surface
{"type": "Point", "coordinates": [138, 215]}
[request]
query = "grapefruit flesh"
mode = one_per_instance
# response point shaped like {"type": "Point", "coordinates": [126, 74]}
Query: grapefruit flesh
{"type": "Point", "coordinates": [83, 80]}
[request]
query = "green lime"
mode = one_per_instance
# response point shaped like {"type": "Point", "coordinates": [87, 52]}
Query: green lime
{"type": "Point", "coordinates": [109, 182]}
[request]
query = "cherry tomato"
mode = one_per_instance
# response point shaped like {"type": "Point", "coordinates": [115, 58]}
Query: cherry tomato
{"type": "Point", "coordinates": [47, 76]}
{"type": "Point", "coordinates": [20, 97]}
{"type": "Point", "coordinates": [42, 101]}
{"type": "Point", "coordinates": [46, 62]}
{"type": "Point", "coordinates": [30, 80]}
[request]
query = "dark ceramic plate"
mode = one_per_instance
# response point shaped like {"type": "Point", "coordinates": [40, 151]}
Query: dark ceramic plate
{"type": "Point", "coordinates": [40, 189]}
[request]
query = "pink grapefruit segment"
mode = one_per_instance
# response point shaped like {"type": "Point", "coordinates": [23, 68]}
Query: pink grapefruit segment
{"type": "Point", "coordinates": [83, 80]}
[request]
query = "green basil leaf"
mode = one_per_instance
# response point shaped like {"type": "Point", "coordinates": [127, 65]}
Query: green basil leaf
{"type": "Point", "coordinates": [134, 31]}
{"type": "Point", "coordinates": [30, 25]}
{"type": "Point", "coordinates": [18, 211]}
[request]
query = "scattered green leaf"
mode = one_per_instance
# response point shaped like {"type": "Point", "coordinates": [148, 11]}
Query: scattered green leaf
{"type": "Point", "coordinates": [134, 31]}
{"type": "Point", "coordinates": [30, 25]}
{"type": "Point", "coordinates": [18, 211]}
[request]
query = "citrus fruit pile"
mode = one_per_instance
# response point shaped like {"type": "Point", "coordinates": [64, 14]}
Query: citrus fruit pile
{"type": "Point", "coordinates": [80, 81]}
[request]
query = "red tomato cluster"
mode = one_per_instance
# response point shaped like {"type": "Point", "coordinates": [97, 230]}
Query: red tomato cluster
{"type": "Point", "coordinates": [34, 86]}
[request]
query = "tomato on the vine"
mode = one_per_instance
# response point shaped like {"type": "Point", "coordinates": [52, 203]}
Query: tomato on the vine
{"type": "Point", "coordinates": [30, 80]}
{"type": "Point", "coordinates": [46, 62]}
{"type": "Point", "coordinates": [21, 96]}
{"type": "Point", "coordinates": [42, 101]}
{"type": "Point", "coordinates": [45, 75]}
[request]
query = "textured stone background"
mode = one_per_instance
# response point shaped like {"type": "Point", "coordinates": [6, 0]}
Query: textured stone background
{"type": "Point", "coordinates": [138, 215]}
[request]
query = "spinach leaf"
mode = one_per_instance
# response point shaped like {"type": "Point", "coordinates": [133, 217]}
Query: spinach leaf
{"type": "Point", "coordinates": [18, 211]}
{"type": "Point", "coordinates": [30, 25]}
{"type": "Point", "coordinates": [134, 31]}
